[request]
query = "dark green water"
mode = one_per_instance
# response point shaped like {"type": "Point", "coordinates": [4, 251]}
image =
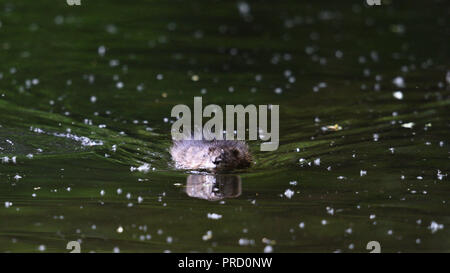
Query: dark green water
{"type": "Point", "coordinates": [75, 120]}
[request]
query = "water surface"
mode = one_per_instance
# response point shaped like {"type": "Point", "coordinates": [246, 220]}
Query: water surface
{"type": "Point", "coordinates": [85, 100]}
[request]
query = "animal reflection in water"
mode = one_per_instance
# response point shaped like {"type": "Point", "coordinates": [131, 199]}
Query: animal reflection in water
{"type": "Point", "coordinates": [213, 187]}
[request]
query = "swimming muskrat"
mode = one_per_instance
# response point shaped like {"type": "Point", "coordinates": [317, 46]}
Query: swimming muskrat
{"type": "Point", "coordinates": [214, 155]}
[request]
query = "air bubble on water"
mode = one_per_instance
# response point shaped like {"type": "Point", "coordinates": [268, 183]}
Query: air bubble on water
{"type": "Point", "coordinates": [301, 225]}
{"type": "Point", "coordinates": [140, 87]}
{"type": "Point", "coordinates": [323, 222]}
{"type": "Point", "coordinates": [375, 137]}
{"type": "Point", "coordinates": [145, 168]}
{"type": "Point", "coordinates": [114, 63]}
{"type": "Point", "coordinates": [278, 90]}
{"type": "Point", "coordinates": [101, 50]}
{"type": "Point", "coordinates": [317, 161]}
{"type": "Point", "coordinates": [111, 29]}
{"type": "Point", "coordinates": [287, 73]}
{"type": "Point", "coordinates": [398, 95]}
{"type": "Point", "coordinates": [268, 249]}
{"type": "Point", "coordinates": [207, 236]}
{"type": "Point", "coordinates": [59, 20]}
{"type": "Point", "coordinates": [243, 8]}
{"type": "Point", "coordinates": [374, 56]}
{"type": "Point", "coordinates": [119, 229]}
{"type": "Point", "coordinates": [102, 192]}
{"type": "Point", "coordinates": [434, 227]}
{"type": "Point", "coordinates": [361, 59]}
{"type": "Point", "coordinates": [330, 210]}
{"type": "Point", "coordinates": [408, 125]}
{"type": "Point", "coordinates": [289, 193]}
{"type": "Point", "coordinates": [399, 82]}
{"type": "Point", "coordinates": [439, 175]}
{"type": "Point", "coordinates": [41, 247]}
{"type": "Point", "coordinates": [246, 242]}
{"type": "Point", "coordinates": [214, 216]}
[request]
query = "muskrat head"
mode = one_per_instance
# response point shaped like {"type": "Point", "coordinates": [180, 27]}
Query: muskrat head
{"type": "Point", "coordinates": [227, 155]}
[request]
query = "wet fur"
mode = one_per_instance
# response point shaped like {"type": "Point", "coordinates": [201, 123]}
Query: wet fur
{"type": "Point", "coordinates": [213, 155]}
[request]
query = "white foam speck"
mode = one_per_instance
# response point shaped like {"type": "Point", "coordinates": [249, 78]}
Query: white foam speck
{"type": "Point", "coordinates": [434, 227]}
{"type": "Point", "coordinates": [398, 95]}
{"type": "Point", "coordinates": [399, 82]}
{"type": "Point", "coordinates": [289, 193]}
{"type": "Point", "coordinates": [214, 216]}
{"type": "Point", "coordinates": [143, 168]}
{"type": "Point", "coordinates": [268, 249]}
{"type": "Point", "coordinates": [408, 125]}
{"type": "Point", "coordinates": [119, 229]}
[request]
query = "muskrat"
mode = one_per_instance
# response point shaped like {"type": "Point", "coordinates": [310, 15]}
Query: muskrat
{"type": "Point", "coordinates": [213, 155]}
